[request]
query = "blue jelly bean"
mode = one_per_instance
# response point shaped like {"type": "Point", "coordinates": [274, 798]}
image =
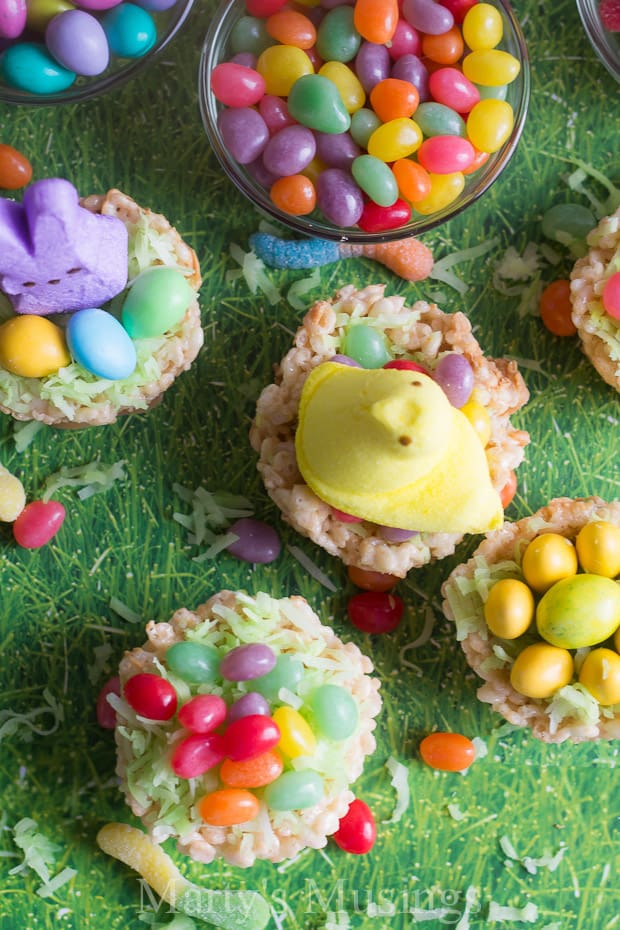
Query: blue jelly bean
{"type": "Point", "coordinates": [29, 66]}
{"type": "Point", "coordinates": [244, 133]}
{"type": "Point", "coordinates": [130, 30]}
{"type": "Point", "coordinates": [339, 197]}
{"type": "Point", "coordinates": [294, 253]}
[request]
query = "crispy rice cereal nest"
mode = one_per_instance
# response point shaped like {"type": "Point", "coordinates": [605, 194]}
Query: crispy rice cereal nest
{"type": "Point", "coordinates": [562, 515]}
{"type": "Point", "coordinates": [499, 387]}
{"type": "Point", "coordinates": [599, 333]}
{"type": "Point", "coordinates": [174, 355]}
{"type": "Point", "coordinates": [272, 835]}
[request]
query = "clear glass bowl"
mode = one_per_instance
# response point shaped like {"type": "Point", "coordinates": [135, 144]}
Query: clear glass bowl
{"type": "Point", "coordinates": [168, 23]}
{"type": "Point", "coordinates": [215, 50]}
{"type": "Point", "coordinates": [606, 44]}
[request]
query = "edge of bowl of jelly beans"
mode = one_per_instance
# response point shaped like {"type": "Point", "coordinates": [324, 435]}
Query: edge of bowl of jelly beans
{"type": "Point", "coordinates": [364, 121]}
{"type": "Point", "coordinates": [60, 51]}
{"type": "Point", "coordinates": [601, 24]}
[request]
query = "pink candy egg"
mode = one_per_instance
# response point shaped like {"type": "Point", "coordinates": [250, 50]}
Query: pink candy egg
{"type": "Point", "coordinates": [12, 18]}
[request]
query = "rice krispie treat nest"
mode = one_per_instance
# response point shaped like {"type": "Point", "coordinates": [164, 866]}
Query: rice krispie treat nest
{"type": "Point", "coordinates": [599, 332]}
{"type": "Point", "coordinates": [422, 333]}
{"type": "Point", "coordinates": [572, 712]}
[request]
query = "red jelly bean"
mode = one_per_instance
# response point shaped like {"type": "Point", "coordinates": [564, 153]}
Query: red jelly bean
{"type": "Point", "coordinates": [405, 364]}
{"type": "Point", "coordinates": [203, 713]}
{"type": "Point", "coordinates": [106, 715]}
{"type": "Point", "coordinates": [38, 522]}
{"type": "Point", "coordinates": [196, 754]}
{"type": "Point", "coordinates": [509, 490]}
{"type": "Point", "coordinates": [15, 169]}
{"type": "Point", "coordinates": [458, 8]}
{"type": "Point", "coordinates": [150, 696]}
{"type": "Point", "coordinates": [376, 219]}
{"type": "Point", "coordinates": [356, 831]}
{"type": "Point", "coordinates": [237, 86]}
{"type": "Point", "coordinates": [250, 736]}
{"type": "Point", "coordinates": [371, 581]}
{"type": "Point", "coordinates": [264, 7]}
{"type": "Point", "coordinates": [375, 611]}
{"type": "Point", "coordinates": [449, 752]}
{"type": "Point", "coordinates": [345, 517]}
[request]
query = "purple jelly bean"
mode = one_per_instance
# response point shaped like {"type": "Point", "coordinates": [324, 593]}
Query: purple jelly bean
{"type": "Point", "coordinates": [289, 151]}
{"type": "Point", "coordinates": [248, 705]}
{"type": "Point", "coordinates": [345, 360]}
{"type": "Point", "coordinates": [243, 663]}
{"type": "Point", "coordinates": [275, 113]}
{"type": "Point", "coordinates": [247, 59]}
{"type": "Point", "coordinates": [244, 133]}
{"type": "Point", "coordinates": [339, 197]}
{"type": "Point", "coordinates": [337, 150]}
{"type": "Point", "coordinates": [394, 535]}
{"type": "Point", "coordinates": [372, 64]}
{"type": "Point", "coordinates": [257, 541]}
{"type": "Point", "coordinates": [454, 374]}
{"type": "Point", "coordinates": [411, 68]}
{"type": "Point", "coordinates": [428, 16]}
{"type": "Point", "coordinates": [260, 174]}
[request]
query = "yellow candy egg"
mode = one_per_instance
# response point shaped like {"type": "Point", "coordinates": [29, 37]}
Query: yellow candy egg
{"type": "Point", "coordinates": [579, 611]}
{"type": "Point", "coordinates": [600, 674]}
{"type": "Point", "coordinates": [32, 346]}
{"type": "Point", "coordinates": [479, 418]}
{"type": "Point", "coordinates": [598, 548]}
{"type": "Point", "coordinates": [12, 496]}
{"type": "Point", "coordinates": [541, 670]}
{"type": "Point", "coordinates": [547, 559]}
{"type": "Point", "coordinates": [509, 608]}
{"type": "Point", "coordinates": [296, 736]}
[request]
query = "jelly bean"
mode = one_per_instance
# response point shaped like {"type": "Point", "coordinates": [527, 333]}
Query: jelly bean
{"type": "Point", "coordinates": [376, 179]}
{"type": "Point", "coordinates": [291, 28]}
{"type": "Point", "coordinates": [41, 12]}
{"type": "Point", "coordinates": [315, 102]}
{"type": "Point", "coordinates": [29, 66]}
{"type": "Point", "coordinates": [253, 773]}
{"type": "Point", "coordinates": [247, 705]}
{"type": "Point", "coordinates": [375, 612]}
{"type": "Point", "coordinates": [450, 87]}
{"type": "Point", "coordinates": [459, 8]}
{"type": "Point", "coordinates": [556, 308]}
{"type": "Point", "coordinates": [106, 715]}
{"type": "Point", "coordinates": [32, 346]}
{"type": "Point", "coordinates": [492, 93]}
{"type": "Point", "coordinates": [482, 27]}
{"type": "Point", "coordinates": [37, 523]}
{"type": "Point", "coordinates": [237, 86]}
{"type": "Point", "coordinates": [294, 791]}
{"type": "Point", "coordinates": [249, 35]}
{"type": "Point", "coordinates": [248, 661]}
{"type": "Point", "coordinates": [196, 754]}
{"type": "Point", "coordinates": [363, 124]}
{"type": "Point", "coordinates": [156, 301]}
{"type": "Point", "coordinates": [257, 542]}
{"type": "Point", "coordinates": [540, 670]}
{"type": "Point", "coordinates": [357, 830]}
{"type": "Point", "coordinates": [296, 736]}
{"type": "Point", "coordinates": [489, 124]}
{"type": "Point", "coordinates": [446, 154]}
{"type": "Point", "coordinates": [444, 49]}
{"type": "Point", "coordinates": [565, 222]}
{"type": "Point", "coordinates": [334, 712]}
{"type": "Point", "coordinates": [393, 98]}
{"type": "Point", "coordinates": [281, 66]}
{"type": "Point", "coordinates": [289, 151]}
{"type": "Point", "coordinates": [547, 559]}
{"type": "Point", "coordinates": [130, 30]}
{"type": "Point", "coordinates": [264, 7]}
{"type": "Point", "coordinates": [454, 374]}
{"type": "Point", "coordinates": [405, 41]}
{"type": "Point", "coordinates": [435, 119]}
{"type": "Point", "coordinates": [411, 68]}
{"type": "Point", "coordinates": [394, 534]}
{"type": "Point", "coordinates": [295, 195]}
{"type": "Point", "coordinates": [286, 673]}
{"type": "Point", "coordinates": [12, 496]}
{"type": "Point", "coordinates": [448, 752]}
{"type": "Point", "coordinates": [348, 86]}
{"type": "Point", "coordinates": [100, 344]}
{"type": "Point", "coordinates": [339, 197]}
{"type": "Point", "coordinates": [396, 139]}
{"type": "Point", "coordinates": [313, 170]}
{"type": "Point", "coordinates": [611, 295]}
{"type": "Point", "coordinates": [247, 59]}
{"type": "Point", "coordinates": [509, 490]}
{"type": "Point", "coordinates": [275, 113]}
{"type": "Point", "coordinates": [372, 64]}
{"type": "Point", "coordinates": [376, 218]}
{"type": "Point", "coordinates": [151, 696]}
{"type": "Point", "coordinates": [428, 16]}
{"type": "Point", "coordinates": [203, 713]}
{"type": "Point", "coordinates": [337, 38]}
{"type": "Point", "coordinates": [480, 159]}
{"type": "Point", "coordinates": [369, 580]}
{"type": "Point", "coordinates": [228, 806]}
{"type": "Point", "coordinates": [509, 608]}
{"type": "Point", "coordinates": [13, 15]}
{"type": "Point", "coordinates": [413, 181]}
{"type": "Point", "coordinates": [340, 514]}
{"type": "Point", "coordinates": [445, 188]}
{"type": "Point", "coordinates": [336, 150]}
{"type": "Point", "coordinates": [244, 133]}
{"type": "Point", "coordinates": [76, 39]}
{"type": "Point", "coordinates": [491, 67]}
{"type": "Point", "coordinates": [479, 418]}
{"type": "Point", "coordinates": [376, 20]}
{"type": "Point", "coordinates": [193, 662]}
{"type": "Point", "coordinates": [250, 736]}
{"type": "Point", "coordinates": [366, 345]}
{"type": "Point", "coordinates": [600, 674]}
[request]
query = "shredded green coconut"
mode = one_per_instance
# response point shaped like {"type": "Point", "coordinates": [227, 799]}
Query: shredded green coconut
{"type": "Point", "coordinates": [91, 478]}
{"type": "Point", "coordinates": [505, 914]}
{"type": "Point", "coordinates": [299, 288]}
{"type": "Point", "coordinates": [27, 725]}
{"type": "Point", "coordinates": [400, 782]}
{"type": "Point", "coordinates": [253, 272]}
{"type": "Point", "coordinates": [210, 511]}
{"type": "Point", "coordinates": [39, 856]}
{"type": "Point", "coordinates": [124, 612]}
{"type": "Point", "coordinates": [24, 433]}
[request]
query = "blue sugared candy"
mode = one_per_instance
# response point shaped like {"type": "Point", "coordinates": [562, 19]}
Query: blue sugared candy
{"type": "Point", "coordinates": [77, 41]}
{"type": "Point", "coordinates": [98, 342]}
{"type": "Point", "coordinates": [29, 66]}
{"type": "Point", "coordinates": [130, 30]}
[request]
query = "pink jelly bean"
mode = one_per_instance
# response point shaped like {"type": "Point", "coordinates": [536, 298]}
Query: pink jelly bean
{"type": "Point", "coordinates": [196, 754]}
{"type": "Point", "coordinates": [106, 715]}
{"type": "Point", "coordinates": [235, 85]}
{"type": "Point", "coordinates": [376, 219]}
{"type": "Point", "coordinates": [38, 522]}
{"type": "Point", "coordinates": [611, 296]}
{"type": "Point", "coordinates": [345, 517]}
{"type": "Point", "coordinates": [446, 154]}
{"type": "Point", "coordinates": [203, 713]}
{"type": "Point", "coordinates": [405, 41]}
{"type": "Point", "coordinates": [450, 87]}
{"type": "Point", "coordinates": [275, 113]}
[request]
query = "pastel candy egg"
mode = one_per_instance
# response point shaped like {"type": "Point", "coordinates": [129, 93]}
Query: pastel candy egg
{"type": "Point", "coordinates": [32, 346]}
{"type": "Point", "coordinates": [156, 6]}
{"type": "Point", "coordinates": [156, 302]}
{"type": "Point", "coordinates": [97, 4]}
{"type": "Point", "coordinates": [41, 12]}
{"type": "Point", "coordinates": [12, 18]}
{"type": "Point", "coordinates": [77, 40]}
{"type": "Point", "coordinates": [99, 344]}
{"type": "Point", "coordinates": [29, 66]}
{"type": "Point", "coordinates": [130, 30]}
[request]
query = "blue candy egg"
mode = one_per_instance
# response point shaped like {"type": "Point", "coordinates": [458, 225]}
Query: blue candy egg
{"type": "Point", "coordinates": [29, 66]}
{"type": "Point", "coordinates": [98, 342]}
{"type": "Point", "coordinates": [77, 40]}
{"type": "Point", "coordinates": [130, 30]}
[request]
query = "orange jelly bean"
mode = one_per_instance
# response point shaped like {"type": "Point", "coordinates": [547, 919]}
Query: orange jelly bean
{"type": "Point", "coordinates": [294, 194]}
{"type": "Point", "coordinates": [228, 806]}
{"type": "Point", "coordinates": [371, 581]}
{"type": "Point", "coordinates": [509, 490]}
{"type": "Point", "coordinates": [445, 49]}
{"type": "Point", "coordinates": [449, 752]}
{"type": "Point", "coordinates": [252, 773]}
{"type": "Point", "coordinates": [291, 28]}
{"type": "Point", "coordinates": [15, 169]}
{"type": "Point", "coordinates": [393, 98]}
{"type": "Point", "coordinates": [480, 159]}
{"type": "Point", "coordinates": [376, 20]}
{"type": "Point", "coordinates": [414, 182]}
{"type": "Point", "coordinates": [556, 308]}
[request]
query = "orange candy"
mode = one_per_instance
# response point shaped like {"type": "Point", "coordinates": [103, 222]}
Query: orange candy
{"type": "Point", "coordinates": [413, 180]}
{"type": "Point", "coordinates": [449, 752]}
{"type": "Point", "coordinates": [556, 308]}
{"type": "Point", "coordinates": [228, 806]}
{"type": "Point", "coordinates": [291, 28]}
{"type": "Point", "coordinates": [509, 490]}
{"type": "Point", "coordinates": [376, 20]}
{"type": "Point", "coordinates": [445, 49]}
{"type": "Point", "coordinates": [15, 169]}
{"type": "Point", "coordinates": [480, 159]}
{"type": "Point", "coordinates": [252, 773]}
{"type": "Point", "coordinates": [371, 581]}
{"type": "Point", "coordinates": [394, 99]}
{"type": "Point", "coordinates": [294, 194]}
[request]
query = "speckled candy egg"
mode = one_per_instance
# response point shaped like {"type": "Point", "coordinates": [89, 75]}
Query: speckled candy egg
{"type": "Point", "coordinates": [32, 346]}
{"type": "Point", "coordinates": [156, 302]}
{"type": "Point", "coordinates": [130, 30]}
{"type": "Point", "coordinates": [77, 40]}
{"type": "Point", "coordinates": [98, 343]}
{"type": "Point", "coordinates": [29, 66]}
{"type": "Point", "coordinates": [12, 18]}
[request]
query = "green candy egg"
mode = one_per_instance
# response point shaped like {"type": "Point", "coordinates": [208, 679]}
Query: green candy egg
{"type": "Point", "coordinates": [294, 791]}
{"type": "Point", "coordinates": [156, 302]}
{"type": "Point", "coordinates": [366, 345]}
{"type": "Point", "coordinates": [286, 673]}
{"type": "Point", "coordinates": [193, 662]}
{"type": "Point", "coordinates": [579, 611]}
{"type": "Point", "coordinates": [335, 712]}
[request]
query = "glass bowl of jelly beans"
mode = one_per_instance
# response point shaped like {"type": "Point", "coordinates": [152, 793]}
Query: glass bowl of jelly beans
{"type": "Point", "coordinates": [364, 120]}
{"type": "Point", "coordinates": [601, 23]}
{"type": "Point", "coordinates": [60, 51]}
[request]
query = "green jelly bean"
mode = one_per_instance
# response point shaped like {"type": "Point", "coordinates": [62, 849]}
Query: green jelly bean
{"type": "Point", "coordinates": [566, 222]}
{"type": "Point", "coordinates": [337, 39]}
{"type": "Point", "coordinates": [156, 302]}
{"type": "Point", "coordinates": [435, 119]}
{"type": "Point", "coordinates": [363, 124]}
{"type": "Point", "coordinates": [314, 102]}
{"type": "Point", "coordinates": [366, 345]}
{"type": "Point", "coordinates": [193, 662]}
{"type": "Point", "coordinates": [334, 711]}
{"type": "Point", "coordinates": [376, 179]}
{"type": "Point", "coordinates": [294, 791]}
{"type": "Point", "coordinates": [286, 673]}
{"type": "Point", "coordinates": [495, 93]}
{"type": "Point", "coordinates": [249, 34]}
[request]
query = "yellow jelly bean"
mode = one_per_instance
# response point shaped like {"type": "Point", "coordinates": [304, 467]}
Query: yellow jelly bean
{"type": "Point", "coordinates": [598, 548]}
{"type": "Point", "coordinates": [482, 26]}
{"type": "Point", "coordinates": [491, 67]}
{"type": "Point", "coordinates": [489, 124]}
{"type": "Point", "coordinates": [395, 139]}
{"type": "Point", "coordinates": [509, 608]}
{"type": "Point", "coordinates": [296, 736]}
{"type": "Point", "coordinates": [547, 559]}
{"type": "Point", "coordinates": [12, 496]}
{"type": "Point", "coordinates": [313, 170]}
{"type": "Point", "coordinates": [600, 674]}
{"type": "Point", "coordinates": [281, 66]}
{"type": "Point", "coordinates": [351, 91]}
{"type": "Point", "coordinates": [32, 346]}
{"type": "Point", "coordinates": [541, 670]}
{"type": "Point", "coordinates": [445, 188]}
{"type": "Point", "coordinates": [479, 418]}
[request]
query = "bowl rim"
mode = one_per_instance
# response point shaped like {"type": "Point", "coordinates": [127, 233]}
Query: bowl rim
{"type": "Point", "coordinates": [216, 36]}
{"type": "Point", "coordinates": [104, 83]}
{"type": "Point", "coordinates": [599, 37]}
